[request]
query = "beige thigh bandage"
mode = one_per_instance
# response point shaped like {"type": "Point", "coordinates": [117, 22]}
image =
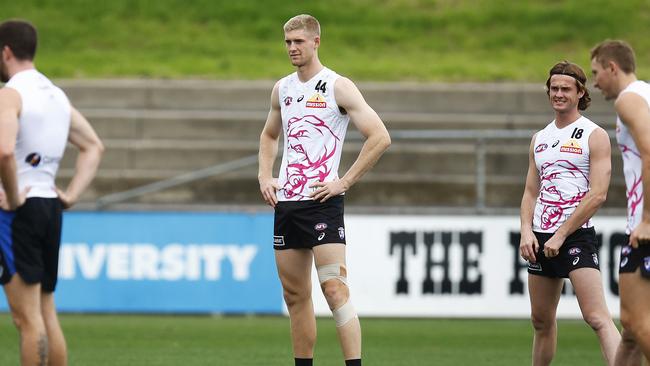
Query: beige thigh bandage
{"type": "Point", "coordinates": [332, 271]}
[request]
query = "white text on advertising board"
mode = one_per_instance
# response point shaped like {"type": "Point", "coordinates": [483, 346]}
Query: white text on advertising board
{"type": "Point", "coordinates": [172, 262]}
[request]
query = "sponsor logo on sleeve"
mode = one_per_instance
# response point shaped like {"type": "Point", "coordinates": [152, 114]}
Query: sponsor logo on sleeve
{"type": "Point", "coordinates": [35, 159]}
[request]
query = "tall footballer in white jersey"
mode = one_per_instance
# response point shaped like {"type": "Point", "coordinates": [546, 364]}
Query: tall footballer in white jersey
{"type": "Point", "coordinates": [613, 65]}
{"type": "Point", "coordinates": [632, 161]}
{"type": "Point", "coordinates": [312, 108]}
{"type": "Point", "coordinates": [567, 181]}
{"type": "Point", "coordinates": [36, 123]}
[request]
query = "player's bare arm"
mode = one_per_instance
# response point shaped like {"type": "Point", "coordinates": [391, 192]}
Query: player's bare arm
{"type": "Point", "coordinates": [369, 125]}
{"type": "Point", "coordinates": [10, 105]}
{"type": "Point", "coordinates": [528, 244]}
{"type": "Point", "coordinates": [600, 168]}
{"type": "Point", "coordinates": [269, 150]}
{"type": "Point", "coordinates": [633, 111]}
{"type": "Point", "coordinates": [83, 137]}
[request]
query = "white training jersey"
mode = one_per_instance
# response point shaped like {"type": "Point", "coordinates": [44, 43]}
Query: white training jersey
{"type": "Point", "coordinates": [43, 127]}
{"type": "Point", "coordinates": [314, 130]}
{"type": "Point", "coordinates": [562, 160]}
{"type": "Point", "coordinates": [632, 168]}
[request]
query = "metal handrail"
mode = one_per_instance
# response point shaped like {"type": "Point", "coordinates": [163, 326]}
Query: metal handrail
{"type": "Point", "coordinates": [218, 169]}
{"type": "Point", "coordinates": [481, 137]}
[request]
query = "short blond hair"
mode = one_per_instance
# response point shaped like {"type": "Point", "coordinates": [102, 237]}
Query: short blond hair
{"type": "Point", "coordinates": [303, 21]}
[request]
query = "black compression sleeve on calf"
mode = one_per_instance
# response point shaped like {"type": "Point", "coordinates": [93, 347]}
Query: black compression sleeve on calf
{"type": "Point", "coordinates": [304, 361]}
{"type": "Point", "coordinates": [355, 362]}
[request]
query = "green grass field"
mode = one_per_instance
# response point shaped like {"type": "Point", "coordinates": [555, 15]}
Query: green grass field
{"type": "Point", "coordinates": [195, 340]}
{"type": "Point", "coordinates": [417, 40]}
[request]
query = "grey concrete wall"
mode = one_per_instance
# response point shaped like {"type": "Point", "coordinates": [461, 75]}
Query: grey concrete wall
{"type": "Point", "coordinates": [156, 129]}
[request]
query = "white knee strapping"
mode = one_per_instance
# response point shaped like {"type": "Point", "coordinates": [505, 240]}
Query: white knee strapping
{"type": "Point", "coordinates": [331, 271]}
{"type": "Point", "coordinates": [344, 314]}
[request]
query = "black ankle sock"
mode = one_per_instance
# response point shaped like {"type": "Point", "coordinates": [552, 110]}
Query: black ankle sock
{"type": "Point", "coordinates": [304, 361]}
{"type": "Point", "coordinates": [355, 362]}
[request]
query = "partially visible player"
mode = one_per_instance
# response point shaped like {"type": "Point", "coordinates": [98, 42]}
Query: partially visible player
{"type": "Point", "coordinates": [312, 107]}
{"type": "Point", "coordinates": [568, 176]}
{"type": "Point", "coordinates": [36, 122]}
{"type": "Point", "coordinates": [613, 66]}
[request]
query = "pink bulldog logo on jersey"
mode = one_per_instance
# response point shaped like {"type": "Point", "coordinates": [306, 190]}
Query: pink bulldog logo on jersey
{"type": "Point", "coordinates": [554, 200]}
{"type": "Point", "coordinates": [310, 160]}
{"type": "Point", "coordinates": [635, 191]}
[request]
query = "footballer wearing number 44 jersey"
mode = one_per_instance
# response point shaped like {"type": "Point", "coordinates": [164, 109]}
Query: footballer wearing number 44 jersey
{"type": "Point", "coordinates": [312, 108]}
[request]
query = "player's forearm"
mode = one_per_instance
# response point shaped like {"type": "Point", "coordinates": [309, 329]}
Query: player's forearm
{"type": "Point", "coordinates": [370, 153]}
{"type": "Point", "coordinates": [527, 211]}
{"type": "Point", "coordinates": [267, 154]}
{"type": "Point", "coordinates": [85, 170]}
{"type": "Point", "coordinates": [9, 179]}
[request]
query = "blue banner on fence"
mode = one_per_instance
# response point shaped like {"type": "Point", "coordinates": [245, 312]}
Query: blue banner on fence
{"type": "Point", "coordinates": [167, 262]}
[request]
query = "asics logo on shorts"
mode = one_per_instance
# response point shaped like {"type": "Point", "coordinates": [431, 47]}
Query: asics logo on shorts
{"type": "Point", "coordinates": [321, 236]}
{"type": "Point", "coordinates": [624, 262]}
{"type": "Point", "coordinates": [576, 260]}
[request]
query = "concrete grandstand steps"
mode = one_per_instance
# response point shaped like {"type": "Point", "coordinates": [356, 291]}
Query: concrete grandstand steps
{"type": "Point", "coordinates": [190, 155]}
{"type": "Point", "coordinates": [175, 123]}
{"type": "Point", "coordinates": [375, 189]}
{"type": "Point", "coordinates": [158, 129]}
{"type": "Point", "coordinates": [169, 94]}
{"type": "Point", "coordinates": [404, 157]}
{"type": "Point", "coordinates": [480, 121]}
{"type": "Point", "coordinates": [233, 124]}
{"type": "Point", "coordinates": [505, 98]}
